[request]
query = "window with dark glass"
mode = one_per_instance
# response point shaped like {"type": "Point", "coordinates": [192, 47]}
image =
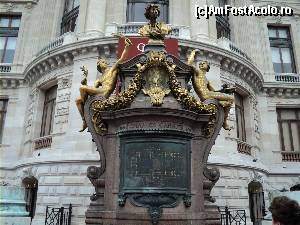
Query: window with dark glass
{"type": "Point", "coordinates": [282, 49]}
{"type": "Point", "coordinates": [240, 118]}
{"type": "Point", "coordinates": [136, 9]}
{"type": "Point", "coordinates": [9, 28]}
{"type": "Point", "coordinates": [48, 111]}
{"type": "Point", "coordinates": [3, 106]}
{"type": "Point", "coordinates": [289, 128]}
{"type": "Point", "coordinates": [69, 19]}
{"type": "Point", "coordinates": [222, 23]}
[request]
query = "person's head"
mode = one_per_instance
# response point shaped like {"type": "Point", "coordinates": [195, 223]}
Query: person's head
{"type": "Point", "coordinates": [102, 64]}
{"type": "Point", "coordinates": [204, 65]}
{"type": "Point", "coordinates": [285, 211]}
{"type": "Point", "coordinates": [152, 12]}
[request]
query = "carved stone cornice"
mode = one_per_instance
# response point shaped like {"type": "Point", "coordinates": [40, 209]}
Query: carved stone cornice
{"type": "Point", "coordinates": [229, 61]}
{"type": "Point", "coordinates": [8, 82]}
{"type": "Point", "coordinates": [64, 55]}
{"type": "Point", "coordinates": [106, 47]}
{"type": "Point", "coordinates": [275, 89]}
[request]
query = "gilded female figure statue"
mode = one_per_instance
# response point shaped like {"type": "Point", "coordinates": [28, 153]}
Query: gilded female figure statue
{"type": "Point", "coordinates": [103, 86]}
{"type": "Point", "coordinates": [205, 90]}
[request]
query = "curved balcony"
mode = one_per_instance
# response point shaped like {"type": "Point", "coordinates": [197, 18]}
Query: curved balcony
{"type": "Point", "coordinates": [63, 50]}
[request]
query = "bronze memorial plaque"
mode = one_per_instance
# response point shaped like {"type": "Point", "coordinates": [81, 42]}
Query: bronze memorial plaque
{"type": "Point", "coordinates": [155, 165]}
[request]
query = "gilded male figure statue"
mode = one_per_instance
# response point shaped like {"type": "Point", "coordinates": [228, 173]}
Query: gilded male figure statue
{"type": "Point", "coordinates": [103, 86]}
{"type": "Point", "coordinates": [205, 90]}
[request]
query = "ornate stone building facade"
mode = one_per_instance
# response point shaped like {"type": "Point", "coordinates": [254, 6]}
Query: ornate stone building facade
{"type": "Point", "coordinates": [45, 42]}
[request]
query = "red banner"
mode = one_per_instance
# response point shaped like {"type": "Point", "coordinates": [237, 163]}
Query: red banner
{"type": "Point", "coordinates": [138, 45]}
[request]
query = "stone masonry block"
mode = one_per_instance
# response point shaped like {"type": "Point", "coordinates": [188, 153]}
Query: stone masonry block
{"type": "Point", "coordinates": [50, 200]}
{"type": "Point", "coordinates": [243, 193]}
{"type": "Point", "coordinates": [75, 180]}
{"type": "Point", "coordinates": [43, 170]}
{"type": "Point", "coordinates": [226, 193]}
{"type": "Point", "coordinates": [86, 190]}
{"type": "Point", "coordinates": [64, 169]}
{"type": "Point", "coordinates": [79, 211]}
{"type": "Point", "coordinates": [52, 190]}
{"type": "Point", "coordinates": [76, 201]}
{"type": "Point", "coordinates": [243, 174]}
{"type": "Point", "coordinates": [40, 209]}
{"type": "Point", "coordinates": [43, 190]}
{"type": "Point", "coordinates": [64, 190]}
{"type": "Point", "coordinates": [226, 173]}
{"type": "Point", "coordinates": [53, 180]}
{"type": "Point", "coordinates": [237, 183]}
{"type": "Point", "coordinates": [221, 183]}
{"type": "Point", "coordinates": [238, 203]}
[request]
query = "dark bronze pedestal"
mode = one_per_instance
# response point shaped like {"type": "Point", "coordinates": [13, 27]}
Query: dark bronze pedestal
{"type": "Point", "coordinates": [153, 141]}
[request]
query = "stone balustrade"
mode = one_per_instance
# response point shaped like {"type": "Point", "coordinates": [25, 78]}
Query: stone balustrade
{"type": "Point", "coordinates": [292, 78]}
{"type": "Point", "coordinates": [59, 41]}
{"type": "Point", "coordinates": [243, 147]}
{"type": "Point", "coordinates": [131, 29]}
{"type": "Point", "coordinates": [5, 68]}
{"type": "Point", "coordinates": [43, 142]}
{"type": "Point", "coordinates": [228, 45]}
{"type": "Point", "coordinates": [290, 156]}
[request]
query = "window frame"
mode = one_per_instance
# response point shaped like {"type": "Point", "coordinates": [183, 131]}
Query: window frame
{"type": "Point", "coordinates": [222, 23]}
{"type": "Point", "coordinates": [52, 103]}
{"type": "Point", "coordinates": [130, 7]}
{"type": "Point", "coordinates": [242, 137]}
{"type": "Point", "coordinates": [8, 32]}
{"type": "Point", "coordinates": [278, 42]}
{"type": "Point", "coordinates": [69, 18]}
{"type": "Point", "coordinates": [3, 112]}
{"type": "Point", "coordinates": [290, 134]}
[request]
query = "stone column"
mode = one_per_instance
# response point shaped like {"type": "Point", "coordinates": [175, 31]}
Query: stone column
{"type": "Point", "coordinates": [78, 143]}
{"type": "Point", "coordinates": [199, 27]}
{"type": "Point", "coordinates": [91, 19]}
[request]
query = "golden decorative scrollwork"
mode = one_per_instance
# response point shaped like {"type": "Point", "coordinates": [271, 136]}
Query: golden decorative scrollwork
{"type": "Point", "coordinates": [156, 63]}
{"type": "Point", "coordinates": [114, 103]}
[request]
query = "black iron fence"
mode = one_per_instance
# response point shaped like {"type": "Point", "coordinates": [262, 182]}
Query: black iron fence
{"type": "Point", "coordinates": [233, 217]}
{"type": "Point", "coordinates": [58, 216]}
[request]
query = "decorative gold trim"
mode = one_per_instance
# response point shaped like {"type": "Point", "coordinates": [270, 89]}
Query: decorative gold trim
{"type": "Point", "coordinates": [156, 59]}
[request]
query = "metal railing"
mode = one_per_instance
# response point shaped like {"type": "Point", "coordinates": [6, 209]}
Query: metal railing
{"type": "Point", "coordinates": [292, 78]}
{"type": "Point", "coordinates": [58, 216]}
{"type": "Point", "coordinates": [233, 217]}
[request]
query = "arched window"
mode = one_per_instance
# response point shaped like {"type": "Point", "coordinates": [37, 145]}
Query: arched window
{"type": "Point", "coordinates": [136, 9]}
{"type": "Point", "coordinates": [31, 187]}
{"type": "Point", "coordinates": [71, 11]}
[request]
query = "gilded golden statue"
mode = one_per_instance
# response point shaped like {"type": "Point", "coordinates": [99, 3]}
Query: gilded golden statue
{"type": "Point", "coordinates": [205, 90]}
{"type": "Point", "coordinates": [156, 31]}
{"type": "Point", "coordinates": [103, 86]}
